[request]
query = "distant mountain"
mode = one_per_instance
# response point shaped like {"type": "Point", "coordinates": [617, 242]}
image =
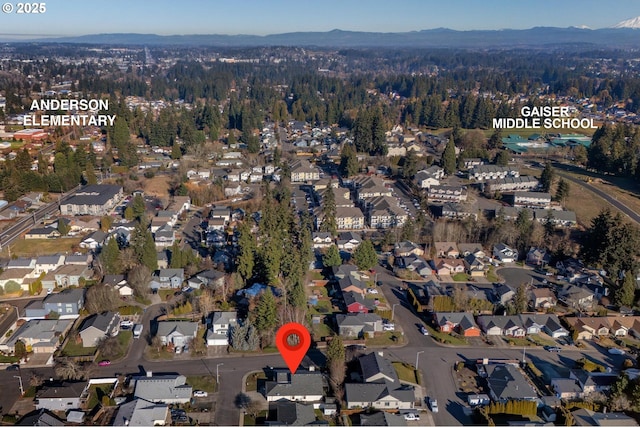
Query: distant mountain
{"type": "Point", "coordinates": [538, 37]}
{"type": "Point", "coordinates": [629, 23]}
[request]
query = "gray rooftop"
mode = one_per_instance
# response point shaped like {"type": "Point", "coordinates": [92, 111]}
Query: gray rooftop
{"type": "Point", "coordinates": [140, 412]}
{"type": "Point", "coordinates": [162, 387]}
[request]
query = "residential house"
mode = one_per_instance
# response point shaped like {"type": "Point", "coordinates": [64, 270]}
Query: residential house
{"type": "Point", "coordinates": [99, 326]}
{"type": "Point", "coordinates": [446, 250]}
{"type": "Point", "coordinates": [384, 212]}
{"type": "Point", "coordinates": [72, 274]}
{"type": "Point", "coordinates": [461, 323]}
{"type": "Point", "coordinates": [558, 218]}
{"type": "Point", "coordinates": [447, 193]}
{"type": "Point", "coordinates": [96, 199]}
{"type": "Point", "coordinates": [355, 303]}
{"type": "Point", "coordinates": [369, 187]}
{"type": "Point", "coordinates": [476, 249]}
{"type": "Point", "coordinates": [381, 418]}
{"type": "Point", "coordinates": [348, 241]}
{"type": "Point", "coordinates": [168, 278]}
{"type": "Point", "coordinates": [302, 171]}
{"type": "Point", "coordinates": [567, 388]}
{"type": "Point", "coordinates": [42, 335]}
{"type": "Point", "coordinates": [448, 266]}
{"type": "Point", "coordinates": [170, 388]}
{"type": "Point", "coordinates": [520, 183]}
{"type": "Point", "coordinates": [577, 297]}
{"type": "Point", "coordinates": [542, 299]}
{"type": "Point", "coordinates": [62, 396]}
{"type": "Point", "coordinates": [379, 396]}
{"type": "Point", "coordinates": [594, 382]}
{"type": "Point", "coordinates": [303, 386]}
{"type": "Point", "coordinates": [587, 417]}
{"type": "Point", "coordinates": [176, 333]}
{"type": "Point", "coordinates": [141, 413]}
{"type": "Point", "coordinates": [221, 324]}
{"type": "Point", "coordinates": [118, 282]}
{"type": "Point", "coordinates": [358, 325]}
{"type": "Point", "coordinates": [538, 257]}
{"type": "Point", "coordinates": [322, 240]}
{"type": "Point", "coordinates": [165, 237]}
{"type": "Point", "coordinates": [349, 218]}
{"type": "Point", "coordinates": [507, 382]}
{"type": "Point", "coordinates": [352, 283]}
{"type": "Point", "coordinates": [521, 325]}
{"type": "Point", "coordinates": [17, 275]}
{"type": "Point", "coordinates": [504, 253]}
{"type": "Point", "coordinates": [406, 248]}
{"type": "Point", "coordinates": [616, 326]}
{"type": "Point", "coordinates": [42, 233]}
{"type": "Point", "coordinates": [380, 387]}
{"type": "Point", "coordinates": [414, 263]}
{"type": "Point", "coordinates": [475, 266]}
{"type": "Point", "coordinates": [40, 417]}
{"type": "Point", "coordinates": [287, 413]}
{"type": "Point", "coordinates": [67, 304]}
{"type": "Point", "coordinates": [531, 199]}
{"type": "Point", "coordinates": [492, 172]}
{"type": "Point", "coordinates": [94, 241]}
{"type": "Point", "coordinates": [207, 278]}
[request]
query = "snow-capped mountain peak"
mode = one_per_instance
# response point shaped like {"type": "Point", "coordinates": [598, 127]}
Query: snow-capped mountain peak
{"type": "Point", "coordinates": [629, 23]}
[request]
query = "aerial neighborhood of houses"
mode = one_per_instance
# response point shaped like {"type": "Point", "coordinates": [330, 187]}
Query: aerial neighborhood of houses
{"type": "Point", "coordinates": [446, 275]}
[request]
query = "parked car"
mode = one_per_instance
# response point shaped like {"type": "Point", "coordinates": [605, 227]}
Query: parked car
{"type": "Point", "coordinates": [389, 327]}
{"type": "Point", "coordinates": [424, 330]}
{"type": "Point", "coordinates": [552, 349]}
{"type": "Point", "coordinates": [372, 291]}
{"type": "Point", "coordinates": [126, 324]}
{"type": "Point", "coordinates": [412, 416]}
{"type": "Point", "coordinates": [104, 363]}
{"type": "Point", "coordinates": [433, 405]}
{"type": "Point", "coordinates": [617, 351]}
{"type": "Point", "coordinates": [200, 393]}
{"type": "Point", "coordinates": [13, 367]}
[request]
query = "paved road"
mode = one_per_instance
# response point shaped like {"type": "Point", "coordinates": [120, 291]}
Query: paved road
{"type": "Point", "coordinates": [611, 200]}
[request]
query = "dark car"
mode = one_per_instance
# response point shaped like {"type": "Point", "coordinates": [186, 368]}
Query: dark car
{"type": "Point", "coordinates": [13, 367]}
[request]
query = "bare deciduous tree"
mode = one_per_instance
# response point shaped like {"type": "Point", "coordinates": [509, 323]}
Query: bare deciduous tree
{"type": "Point", "coordinates": [101, 298]}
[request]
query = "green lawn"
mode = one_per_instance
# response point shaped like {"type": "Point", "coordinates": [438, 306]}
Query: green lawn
{"type": "Point", "coordinates": [128, 310]}
{"type": "Point", "coordinates": [460, 277]}
{"type": "Point", "coordinates": [386, 338]}
{"type": "Point", "coordinates": [38, 247]}
{"type": "Point", "coordinates": [541, 341]}
{"type": "Point", "coordinates": [322, 307]}
{"type": "Point", "coordinates": [406, 372]}
{"type": "Point", "coordinates": [96, 392]}
{"type": "Point", "coordinates": [166, 294]}
{"type": "Point", "coordinates": [124, 338]}
{"type": "Point", "coordinates": [252, 381]}
{"type": "Point", "coordinates": [446, 338]}
{"type": "Point", "coordinates": [76, 349]}
{"type": "Point", "coordinates": [9, 359]}
{"type": "Point", "coordinates": [491, 275]}
{"type": "Point", "coordinates": [519, 342]}
{"type": "Point", "coordinates": [321, 330]}
{"type": "Point", "coordinates": [204, 383]}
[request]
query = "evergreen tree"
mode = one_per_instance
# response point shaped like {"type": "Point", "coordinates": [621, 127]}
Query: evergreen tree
{"type": "Point", "coordinates": [624, 295]}
{"type": "Point", "coordinates": [176, 153]}
{"type": "Point", "coordinates": [562, 192]}
{"type": "Point", "coordinates": [176, 256]}
{"type": "Point", "coordinates": [502, 158]}
{"type": "Point", "coordinates": [546, 179]}
{"type": "Point", "coordinates": [138, 207]}
{"type": "Point", "coordinates": [63, 227]}
{"type": "Point", "coordinates": [247, 248]}
{"type": "Point", "coordinates": [410, 165]}
{"type": "Point", "coordinates": [365, 255]}
{"type": "Point", "coordinates": [332, 258]}
{"type": "Point", "coordinates": [329, 223]}
{"type": "Point", "coordinates": [109, 257]}
{"type": "Point", "coordinates": [449, 157]}
{"type": "Point", "coordinates": [349, 165]}
{"type": "Point", "coordinates": [520, 299]}
{"type": "Point", "coordinates": [495, 140]}
{"type": "Point", "coordinates": [266, 312]}
{"type": "Point", "coordinates": [336, 364]}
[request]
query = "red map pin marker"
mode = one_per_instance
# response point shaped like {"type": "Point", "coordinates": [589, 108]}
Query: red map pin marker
{"type": "Point", "coordinates": [293, 341]}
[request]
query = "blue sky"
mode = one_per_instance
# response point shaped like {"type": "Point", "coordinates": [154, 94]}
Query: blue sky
{"type": "Point", "coordinates": [260, 17]}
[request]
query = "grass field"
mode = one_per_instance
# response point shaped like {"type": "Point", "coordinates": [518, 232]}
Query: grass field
{"type": "Point", "coordinates": [38, 247]}
{"type": "Point", "coordinates": [584, 203]}
{"type": "Point", "coordinates": [76, 349]}
{"type": "Point", "coordinates": [386, 338]}
{"type": "Point", "coordinates": [157, 186]}
{"type": "Point", "coordinates": [204, 383]}
{"type": "Point", "coordinates": [446, 338]}
{"type": "Point", "coordinates": [406, 372]}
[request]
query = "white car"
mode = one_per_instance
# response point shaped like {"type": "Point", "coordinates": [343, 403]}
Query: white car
{"type": "Point", "coordinates": [433, 404]}
{"type": "Point", "coordinates": [389, 327]}
{"type": "Point", "coordinates": [372, 291]}
{"type": "Point", "coordinates": [424, 330]}
{"type": "Point", "coordinates": [412, 417]}
{"type": "Point", "coordinates": [126, 324]}
{"type": "Point", "coordinates": [200, 393]}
